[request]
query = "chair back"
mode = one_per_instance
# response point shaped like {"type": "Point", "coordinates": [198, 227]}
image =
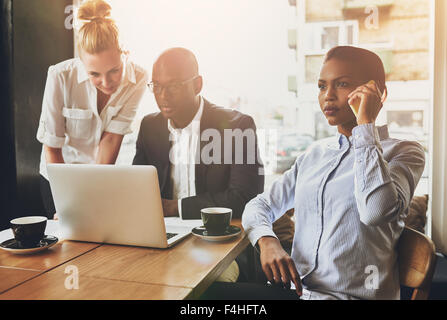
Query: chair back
{"type": "Point", "coordinates": [417, 261]}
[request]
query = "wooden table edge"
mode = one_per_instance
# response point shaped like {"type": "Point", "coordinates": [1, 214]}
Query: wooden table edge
{"type": "Point", "coordinates": [201, 287]}
{"type": "Point", "coordinates": [195, 292]}
{"type": "Point", "coordinates": [41, 272]}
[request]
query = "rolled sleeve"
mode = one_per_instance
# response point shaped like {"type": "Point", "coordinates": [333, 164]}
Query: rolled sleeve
{"type": "Point", "coordinates": [119, 127]}
{"type": "Point", "coordinates": [259, 232]}
{"type": "Point", "coordinates": [51, 131]}
{"type": "Point", "coordinates": [49, 139]}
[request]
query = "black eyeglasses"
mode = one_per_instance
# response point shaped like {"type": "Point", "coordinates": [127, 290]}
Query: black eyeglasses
{"type": "Point", "coordinates": [171, 88]}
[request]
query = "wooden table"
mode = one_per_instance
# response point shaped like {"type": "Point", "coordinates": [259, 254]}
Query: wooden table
{"type": "Point", "coordinates": [106, 271]}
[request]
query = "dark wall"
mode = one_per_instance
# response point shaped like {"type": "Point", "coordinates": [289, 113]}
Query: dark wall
{"type": "Point", "coordinates": [39, 38]}
{"type": "Point", "coordinates": [7, 158]}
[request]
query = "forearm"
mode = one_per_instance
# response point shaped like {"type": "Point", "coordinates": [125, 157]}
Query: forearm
{"type": "Point", "coordinates": [53, 155]}
{"type": "Point", "coordinates": [267, 242]}
{"type": "Point", "coordinates": [383, 189]}
{"type": "Point", "coordinates": [377, 199]}
{"type": "Point", "coordinates": [260, 213]}
{"type": "Point", "coordinates": [140, 157]}
{"type": "Point", "coordinates": [109, 148]}
{"type": "Point", "coordinates": [258, 218]}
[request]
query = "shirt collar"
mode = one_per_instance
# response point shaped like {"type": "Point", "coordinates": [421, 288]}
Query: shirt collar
{"type": "Point", "coordinates": [82, 73]}
{"type": "Point", "coordinates": [341, 139]}
{"type": "Point", "coordinates": [196, 118]}
{"type": "Point", "coordinates": [128, 72]}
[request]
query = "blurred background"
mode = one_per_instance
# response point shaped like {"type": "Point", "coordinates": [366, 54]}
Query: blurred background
{"type": "Point", "coordinates": [263, 57]}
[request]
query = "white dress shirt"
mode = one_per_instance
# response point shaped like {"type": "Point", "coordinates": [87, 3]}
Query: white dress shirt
{"type": "Point", "coordinates": [182, 155]}
{"type": "Point", "coordinates": [70, 119]}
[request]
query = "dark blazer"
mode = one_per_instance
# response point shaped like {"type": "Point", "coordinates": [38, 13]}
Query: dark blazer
{"type": "Point", "coordinates": [217, 185]}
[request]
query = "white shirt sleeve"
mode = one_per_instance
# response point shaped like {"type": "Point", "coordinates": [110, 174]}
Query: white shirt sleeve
{"type": "Point", "coordinates": [121, 122]}
{"type": "Point", "coordinates": [51, 131]}
{"type": "Point", "coordinates": [261, 212]}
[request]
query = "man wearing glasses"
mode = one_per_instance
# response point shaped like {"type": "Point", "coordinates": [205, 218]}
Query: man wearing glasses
{"type": "Point", "coordinates": [192, 175]}
{"type": "Point", "coordinates": [177, 142]}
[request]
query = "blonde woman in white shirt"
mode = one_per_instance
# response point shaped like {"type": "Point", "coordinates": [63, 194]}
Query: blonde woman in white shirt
{"type": "Point", "coordinates": [90, 101]}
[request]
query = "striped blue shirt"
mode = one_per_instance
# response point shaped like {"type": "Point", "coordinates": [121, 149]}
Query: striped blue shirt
{"type": "Point", "coordinates": [350, 197]}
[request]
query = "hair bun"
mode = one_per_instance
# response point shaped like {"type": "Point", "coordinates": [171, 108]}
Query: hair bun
{"type": "Point", "coordinates": [97, 31]}
{"type": "Point", "coordinates": [93, 10]}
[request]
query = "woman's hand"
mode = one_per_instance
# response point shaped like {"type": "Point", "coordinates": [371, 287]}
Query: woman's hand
{"type": "Point", "coordinates": [371, 102]}
{"type": "Point", "coordinates": [277, 265]}
{"type": "Point", "coordinates": [53, 155]}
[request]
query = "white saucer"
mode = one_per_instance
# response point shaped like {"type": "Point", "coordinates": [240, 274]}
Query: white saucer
{"type": "Point", "coordinates": [232, 231]}
{"type": "Point", "coordinates": [12, 246]}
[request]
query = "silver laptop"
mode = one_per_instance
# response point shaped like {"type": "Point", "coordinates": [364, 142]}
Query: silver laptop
{"type": "Point", "coordinates": [111, 204]}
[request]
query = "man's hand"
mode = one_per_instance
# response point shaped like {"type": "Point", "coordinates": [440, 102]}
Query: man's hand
{"type": "Point", "coordinates": [170, 208]}
{"type": "Point", "coordinates": [277, 265]}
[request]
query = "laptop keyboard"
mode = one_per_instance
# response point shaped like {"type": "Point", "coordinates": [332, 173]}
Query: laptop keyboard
{"type": "Point", "coordinates": [170, 235]}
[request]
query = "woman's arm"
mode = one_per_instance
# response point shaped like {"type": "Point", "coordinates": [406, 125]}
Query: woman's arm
{"type": "Point", "coordinates": [53, 155]}
{"type": "Point", "coordinates": [51, 131]}
{"type": "Point", "coordinates": [257, 220]}
{"type": "Point", "coordinates": [267, 207]}
{"type": "Point", "coordinates": [384, 189]}
{"type": "Point", "coordinates": [109, 147]}
{"type": "Point", "coordinates": [120, 124]}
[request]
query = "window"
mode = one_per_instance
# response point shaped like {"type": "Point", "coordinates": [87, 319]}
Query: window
{"type": "Point", "coordinates": [399, 34]}
{"type": "Point", "coordinates": [406, 119]}
{"type": "Point", "coordinates": [322, 36]}
{"type": "Point", "coordinates": [438, 176]}
{"type": "Point", "coordinates": [250, 61]}
{"type": "Point", "coordinates": [242, 51]}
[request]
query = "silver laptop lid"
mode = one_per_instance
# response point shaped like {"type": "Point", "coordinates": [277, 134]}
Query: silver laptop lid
{"type": "Point", "coordinates": [108, 204]}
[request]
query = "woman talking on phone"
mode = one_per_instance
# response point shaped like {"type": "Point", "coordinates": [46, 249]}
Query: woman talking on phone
{"type": "Point", "coordinates": [350, 192]}
{"type": "Point", "coordinates": [90, 101]}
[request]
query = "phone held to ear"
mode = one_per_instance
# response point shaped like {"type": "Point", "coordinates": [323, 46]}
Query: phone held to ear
{"type": "Point", "coordinates": [356, 103]}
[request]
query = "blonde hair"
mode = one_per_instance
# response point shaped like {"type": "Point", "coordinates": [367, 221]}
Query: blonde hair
{"type": "Point", "coordinates": [98, 31]}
